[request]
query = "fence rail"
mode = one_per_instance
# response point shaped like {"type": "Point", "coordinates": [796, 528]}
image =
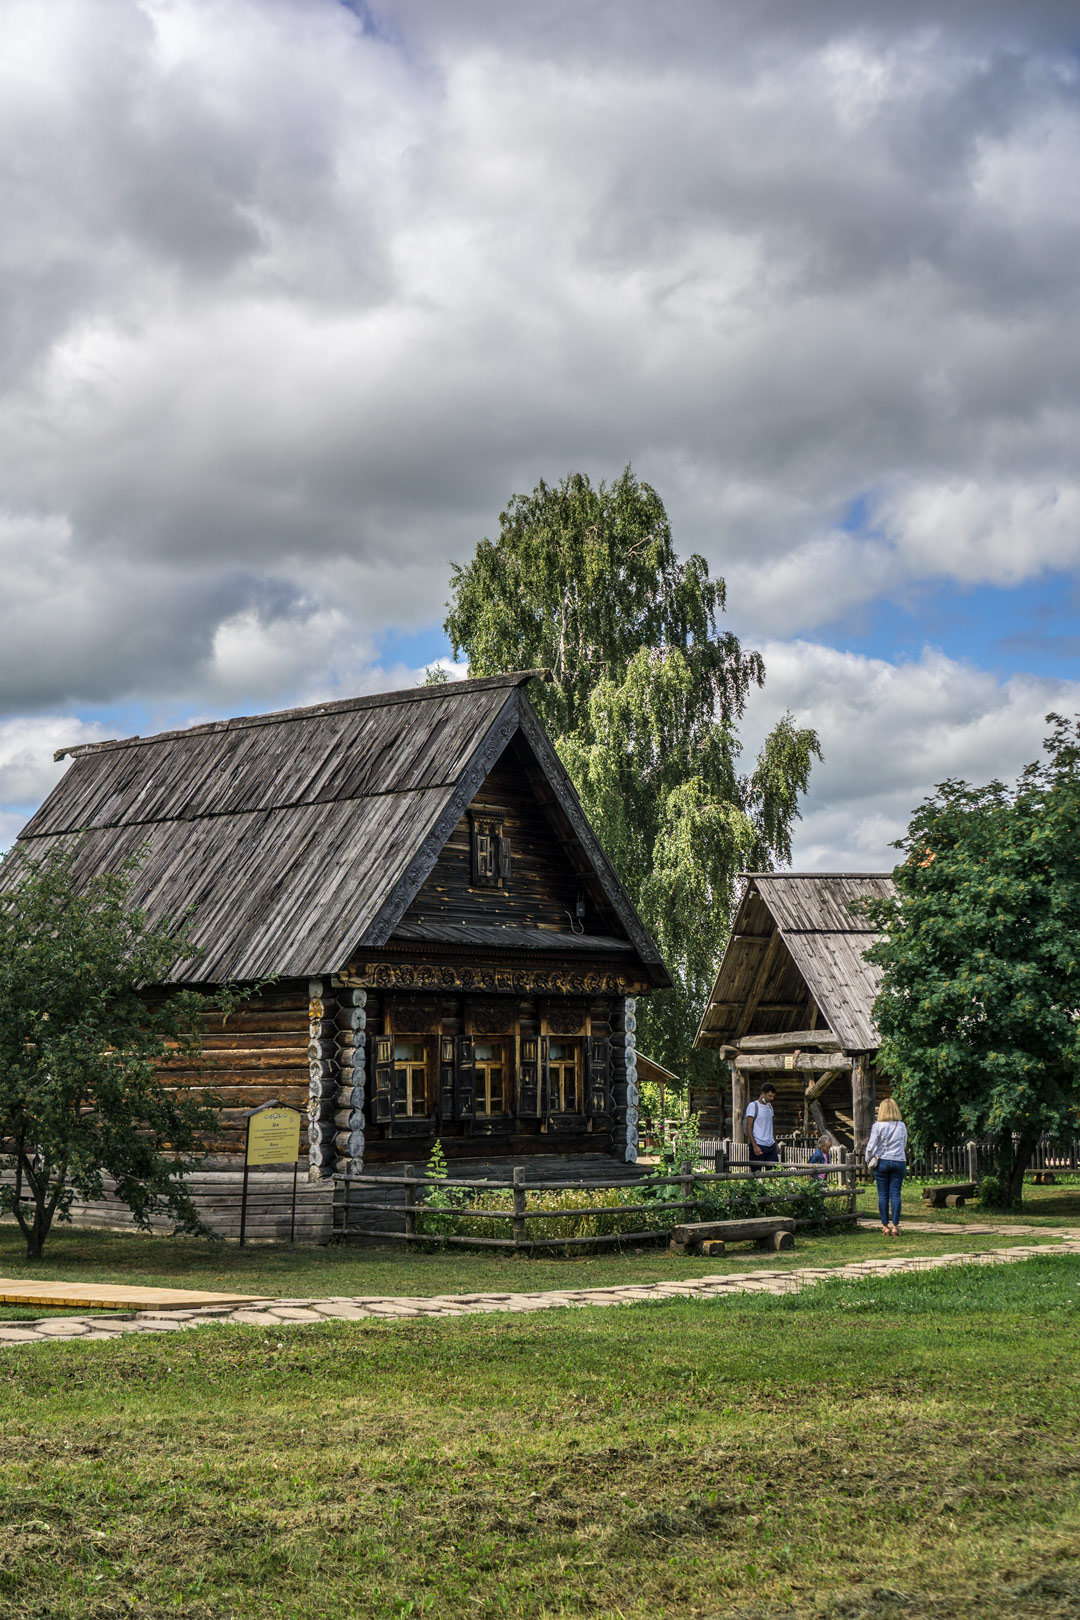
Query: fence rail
{"type": "Point", "coordinates": [403, 1202]}
{"type": "Point", "coordinates": [968, 1161]}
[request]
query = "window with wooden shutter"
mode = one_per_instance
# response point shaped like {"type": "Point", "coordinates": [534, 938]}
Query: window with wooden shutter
{"type": "Point", "coordinates": [598, 1076]}
{"type": "Point", "coordinates": [411, 1078]}
{"type": "Point", "coordinates": [565, 1077]}
{"type": "Point", "coordinates": [382, 1051]}
{"type": "Point", "coordinates": [466, 1078]}
{"type": "Point", "coordinates": [492, 1078]}
{"type": "Point", "coordinates": [490, 852]}
{"type": "Point", "coordinates": [528, 1103]}
{"type": "Point", "coordinates": [447, 1070]}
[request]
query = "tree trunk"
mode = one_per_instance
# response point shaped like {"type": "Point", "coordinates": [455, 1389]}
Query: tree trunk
{"type": "Point", "coordinates": [1013, 1159]}
{"type": "Point", "coordinates": [45, 1200]}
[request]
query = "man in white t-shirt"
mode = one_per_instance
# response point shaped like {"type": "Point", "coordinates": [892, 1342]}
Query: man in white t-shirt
{"type": "Point", "coordinates": [760, 1135]}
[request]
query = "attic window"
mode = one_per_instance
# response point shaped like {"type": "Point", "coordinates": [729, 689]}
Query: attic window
{"type": "Point", "coordinates": [490, 853]}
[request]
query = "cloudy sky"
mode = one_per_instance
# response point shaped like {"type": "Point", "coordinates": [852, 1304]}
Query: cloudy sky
{"type": "Point", "coordinates": [295, 293]}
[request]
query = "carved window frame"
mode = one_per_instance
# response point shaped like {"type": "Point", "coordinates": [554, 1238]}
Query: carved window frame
{"type": "Point", "coordinates": [489, 851]}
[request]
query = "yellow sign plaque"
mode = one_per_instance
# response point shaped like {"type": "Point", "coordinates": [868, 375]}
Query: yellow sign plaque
{"type": "Point", "coordinates": [273, 1137]}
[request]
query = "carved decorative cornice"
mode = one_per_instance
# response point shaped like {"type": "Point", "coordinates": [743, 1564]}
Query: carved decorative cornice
{"type": "Point", "coordinates": [510, 980]}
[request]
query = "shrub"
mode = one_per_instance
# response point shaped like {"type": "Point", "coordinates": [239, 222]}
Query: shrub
{"type": "Point", "coordinates": [602, 1213]}
{"type": "Point", "coordinates": [991, 1193]}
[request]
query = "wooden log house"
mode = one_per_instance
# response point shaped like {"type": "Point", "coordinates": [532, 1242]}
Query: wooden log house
{"type": "Point", "coordinates": [793, 1000]}
{"type": "Point", "coordinates": [451, 956]}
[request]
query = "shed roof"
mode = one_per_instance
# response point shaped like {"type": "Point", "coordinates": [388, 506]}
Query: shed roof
{"type": "Point", "coordinates": [300, 836]}
{"type": "Point", "coordinates": [796, 937]}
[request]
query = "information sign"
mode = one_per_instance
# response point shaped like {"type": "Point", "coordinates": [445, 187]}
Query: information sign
{"type": "Point", "coordinates": [273, 1136]}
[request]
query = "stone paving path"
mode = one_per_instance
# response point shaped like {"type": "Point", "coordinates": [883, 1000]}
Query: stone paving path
{"type": "Point", "coordinates": [275, 1314]}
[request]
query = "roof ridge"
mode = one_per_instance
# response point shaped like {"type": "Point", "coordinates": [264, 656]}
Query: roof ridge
{"type": "Point", "coordinates": [371, 700]}
{"type": "Point", "coordinates": [816, 874]}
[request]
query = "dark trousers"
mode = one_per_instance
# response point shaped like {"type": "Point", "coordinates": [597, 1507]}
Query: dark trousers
{"type": "Point", "coordinates": [889, 1175]}
{"type": "Point", "coordinates": [768, 1155]}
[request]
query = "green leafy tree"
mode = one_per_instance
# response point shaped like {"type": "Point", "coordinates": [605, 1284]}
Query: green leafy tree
{"type": "Point", "coordinates": [644, 708]}
{"type": "Point", "coordinates": [980, 996]}
{"type": "Point", "coordinates": [82, 1095]}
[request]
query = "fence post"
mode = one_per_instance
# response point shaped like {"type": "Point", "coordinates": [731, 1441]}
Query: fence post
{"type": "Point", "coordinates": [850, 1164]}
{"type": "Point", "coordinates": [972, 1162]}
{"type": "Point", "coordinates": [519, 1205]}
{"type": "Point", "coordinates": [687, 1178]}
{"type": "Point", "coordinates": [409, 1177]}
{"type": "Point", "coordinates": [721, 1159]}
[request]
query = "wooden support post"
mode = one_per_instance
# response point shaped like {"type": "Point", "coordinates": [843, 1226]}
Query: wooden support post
{"type": "Point", "coordinates": [409, 1177]}
{"type": "Point", "coordinates": [243, 1201]}
{"type": "Point", "coordinates": [519, 1205]}
{"type": "Point", "coordinates": [738, 1105]}
{"type": "Point", "coordinates": [862, 1102]}
{"type": "Point", "coordinates": [850, 1161]}
{"type": "Point", "coordinates": [686, 1176]}
{"type": "Point", "coordinates": [972, 1162]}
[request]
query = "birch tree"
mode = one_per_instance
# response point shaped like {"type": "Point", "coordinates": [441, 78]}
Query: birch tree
{"type": "Point", "coordinates": [644, 708]}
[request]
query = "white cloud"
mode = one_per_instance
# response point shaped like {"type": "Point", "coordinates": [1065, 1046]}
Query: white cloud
{"type": "Point", "coordinates": [27, 768]}
{"type": "Point", "coordinates": [890, 732]}
{"type": "Point", "coordinates": [291, 302]}
{"type": "Point", "coordinates": [293, 296]}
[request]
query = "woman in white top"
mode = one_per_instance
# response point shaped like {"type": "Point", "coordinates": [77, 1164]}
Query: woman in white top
{"type": "Point", "coordinates": [887, 1145]}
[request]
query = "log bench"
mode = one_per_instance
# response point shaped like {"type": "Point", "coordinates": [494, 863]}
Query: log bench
{"type": "Point", "coordinates": [712, 1237]}
{"type": "Point", "coordinates": [1043, 1178]}
{"type": "Point", "coordinates": [949, 1197]}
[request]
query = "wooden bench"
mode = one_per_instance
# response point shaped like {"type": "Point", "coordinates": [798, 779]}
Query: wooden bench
{"type": "Point", "coordinates": [953, 1197]}
{"type": "Point", "coordinates": [712, 1237]}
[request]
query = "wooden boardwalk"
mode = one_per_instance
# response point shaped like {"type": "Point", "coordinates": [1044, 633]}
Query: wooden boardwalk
{"type": "Point", "coordinates": [113, 1296]}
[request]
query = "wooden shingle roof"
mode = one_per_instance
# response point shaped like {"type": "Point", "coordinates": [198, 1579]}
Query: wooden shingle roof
{"type": "Point", "coordinates": [297, 837]}
{"type": "Point", "coordinates": [795, 944]}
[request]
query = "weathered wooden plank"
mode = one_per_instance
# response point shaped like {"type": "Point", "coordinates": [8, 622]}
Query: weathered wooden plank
{"type": "Point", "coordinates": [791, 1062]}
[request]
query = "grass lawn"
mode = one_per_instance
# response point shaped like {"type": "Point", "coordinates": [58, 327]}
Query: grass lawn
{"type": "Point", "coordinates": [1043, 1206]}
{"type": "Point", "coordinates": [887, 1450]}
{"type": "Point", "coordinates": [276, 1269]}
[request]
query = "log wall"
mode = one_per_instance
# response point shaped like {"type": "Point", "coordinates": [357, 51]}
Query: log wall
{"type": "Point", "coordinates": [543, 886]}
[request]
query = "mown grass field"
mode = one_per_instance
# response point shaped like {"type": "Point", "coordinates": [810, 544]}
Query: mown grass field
{"type": "Point", "coordinates": [1043, 1206]}
{"type": "Point", "coordinates": [281, 1271]}
{"type": "Point", "coordinates": [881, 1450]}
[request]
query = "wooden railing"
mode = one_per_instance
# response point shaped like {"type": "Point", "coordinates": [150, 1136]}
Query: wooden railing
{"type": "Point", "coordinates": [967, 1161]}
{"type": "Point", "coordinates": [401, 1196]}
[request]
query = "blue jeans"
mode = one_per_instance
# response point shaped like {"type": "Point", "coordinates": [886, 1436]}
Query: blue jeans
{"type": "Point", "coordinates": [889, 1176]}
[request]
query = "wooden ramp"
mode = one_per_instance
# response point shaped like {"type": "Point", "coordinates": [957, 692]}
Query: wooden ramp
{"type": "Point", "coordinates": [112, 1296]}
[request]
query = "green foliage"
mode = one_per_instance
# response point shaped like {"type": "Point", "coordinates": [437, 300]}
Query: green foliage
{"type": "Point", "coordinates": [437, 1203]}
{"type": "Point", "coordinates": [644, 709]}
{"type": "Point", "coordinates": [991, 1193]}
{"type": "Point", "coordinates": [680, 1148]}
{"type": "Point", "coordinates": [743, 1197]}
{"type": "Point", "coordinates": [440, 1212]}
{"type": "Point", "coordinates": [81, 1094]}
{"type": "Point", "coordinates": [980, 996]}
{"type": "Point", "coordinates": [600, 1215]}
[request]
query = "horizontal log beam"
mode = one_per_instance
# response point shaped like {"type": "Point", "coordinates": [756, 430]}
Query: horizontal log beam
{"type": "Point", "coordinates": [823, 1040]}
{"type": "Point", "coordinates": [799, 1062]}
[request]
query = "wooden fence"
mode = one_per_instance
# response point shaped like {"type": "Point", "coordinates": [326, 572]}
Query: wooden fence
{"type": "Point", "coordinates": [401, 1199]}
{"type": "Point", "coordinates": [270, 1216]}
{"type": "Point", "coordinates": [967, 1161]}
